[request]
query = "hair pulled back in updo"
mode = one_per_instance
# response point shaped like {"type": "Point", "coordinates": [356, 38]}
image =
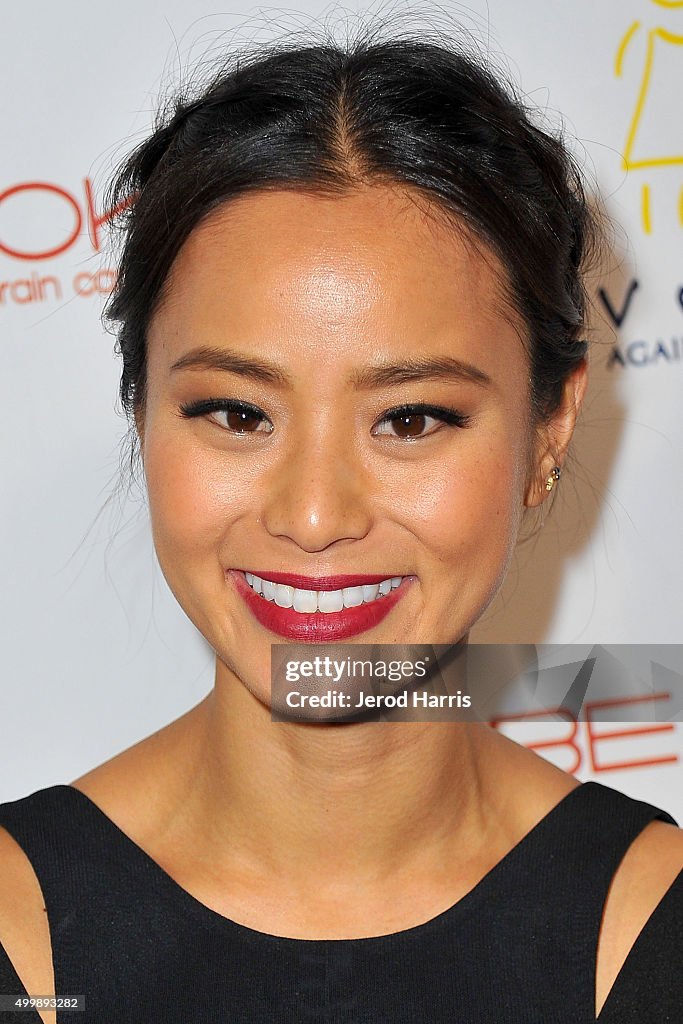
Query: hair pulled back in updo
{"type": "Point", "coordinates": [325, 118]}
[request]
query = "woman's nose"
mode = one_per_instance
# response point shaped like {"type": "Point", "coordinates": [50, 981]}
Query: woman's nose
{"type": "Point", "coordinates": [317, 495]}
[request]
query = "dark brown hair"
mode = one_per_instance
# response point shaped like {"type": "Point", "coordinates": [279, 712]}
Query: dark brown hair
{"type": "Point", "coordinates": [427, 116]}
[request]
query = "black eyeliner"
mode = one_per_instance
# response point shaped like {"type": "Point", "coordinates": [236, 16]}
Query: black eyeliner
{"type": "Point", "coordinates": [207, 405]}
{"type": "Point", "coordinates": [450, 416]}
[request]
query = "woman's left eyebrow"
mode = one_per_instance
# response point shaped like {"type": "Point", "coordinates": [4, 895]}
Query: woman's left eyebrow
{"type": "Point", "coordinates": [364, 379]}
{"type": "Point", "coordinates": [424, 368]}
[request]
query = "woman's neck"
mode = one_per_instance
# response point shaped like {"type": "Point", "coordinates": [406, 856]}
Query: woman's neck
{"type": "Point", "coordinates": [371, 798]}
{"type": "Point", "coordinates": [324, 831]}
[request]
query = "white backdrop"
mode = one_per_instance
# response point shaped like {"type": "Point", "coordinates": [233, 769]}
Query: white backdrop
{"type": "Point", "coordinates": [96, 654]}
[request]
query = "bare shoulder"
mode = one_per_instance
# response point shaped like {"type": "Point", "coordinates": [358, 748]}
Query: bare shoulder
{"type": "Point", "coordinates": [127, 786]}
{"type": "Point", "coordinates": [142, 779]}
{"type": "Point", "coordinates": [24, 930]}
{"type": "Point", "coordinates": [648, 869]}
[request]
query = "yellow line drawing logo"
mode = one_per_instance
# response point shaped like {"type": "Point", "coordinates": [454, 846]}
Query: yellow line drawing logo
{"type": "Point", "coordinates": [657, 37]}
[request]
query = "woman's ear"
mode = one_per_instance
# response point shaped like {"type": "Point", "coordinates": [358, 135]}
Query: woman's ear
{"type": "Point", "coordinates": [553, 437]}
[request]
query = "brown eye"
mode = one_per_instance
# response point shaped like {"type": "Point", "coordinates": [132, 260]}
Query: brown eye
{"type": "Point", "coordinates": [418, 420]}
{"type": "Point", "coordinates": [409, 426]}
{"type": "Point", "coordinates": [241, 421]}
{"type": "Point", "coordinates": [233, 416]}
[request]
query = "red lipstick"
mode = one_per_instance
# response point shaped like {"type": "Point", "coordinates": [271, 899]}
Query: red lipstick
{"type": "Point", "coordinates": [319, 582]}
{"type": "Point", "coordinates": [318, 627]}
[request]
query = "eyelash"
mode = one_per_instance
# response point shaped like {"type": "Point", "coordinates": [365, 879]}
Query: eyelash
{"type": "Point", "coordinates": [449, 417]}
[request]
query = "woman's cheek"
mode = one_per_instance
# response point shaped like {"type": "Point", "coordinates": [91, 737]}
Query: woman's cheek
{"type": "Point", "coordinates": [194, 496]}
{"type": "Point", "coordinates": [194, 499]}
{"type": "Point", "coordinates": [458, 504]}
{"type": "Point", "coordinates": [467, 518]}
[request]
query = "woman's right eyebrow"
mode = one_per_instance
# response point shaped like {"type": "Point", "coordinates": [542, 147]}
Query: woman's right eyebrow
{"type": "Point", "coordinates": [208, 358]}
{"type": "Point", "coordinates": [364, 379]}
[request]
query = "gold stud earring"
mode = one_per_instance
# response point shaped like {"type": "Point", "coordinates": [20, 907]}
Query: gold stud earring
{"type": "Point", "coordinates": [552, 477]}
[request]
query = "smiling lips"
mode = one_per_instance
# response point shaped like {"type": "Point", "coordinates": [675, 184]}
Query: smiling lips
{"type": "Point", "coordinates": [319, 609]}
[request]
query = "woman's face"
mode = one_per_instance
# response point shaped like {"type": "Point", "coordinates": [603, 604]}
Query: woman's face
{"type": "Point", "coordinates": [313, 321]}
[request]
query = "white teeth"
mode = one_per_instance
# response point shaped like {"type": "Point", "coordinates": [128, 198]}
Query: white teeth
{"type": "Point", "coordinates": [309, 601]}
{"type": "Point", "coordinates": [305, 601]}
{"type": "Point", "coordinates": [330, 600]}
{"type": "Point", "coordinates": [284, 595]}
{"type": "Point", "coordinates": [353, 596]}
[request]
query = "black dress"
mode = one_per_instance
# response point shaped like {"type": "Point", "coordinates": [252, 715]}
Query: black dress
{"type": "Point", "coordinates": [519, 948]}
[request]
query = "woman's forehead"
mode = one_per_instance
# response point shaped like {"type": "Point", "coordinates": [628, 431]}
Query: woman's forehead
{"type": "Point", "coordinates": [374, 255]}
